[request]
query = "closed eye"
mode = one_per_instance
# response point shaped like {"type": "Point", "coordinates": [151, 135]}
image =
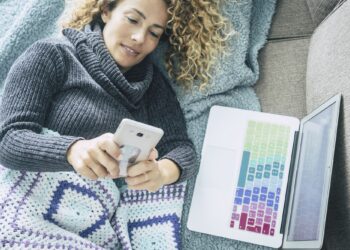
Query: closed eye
{"type": "Point", "coordinates": [154, 34]}
{"type": "Point", "coordinates": [132, 20]}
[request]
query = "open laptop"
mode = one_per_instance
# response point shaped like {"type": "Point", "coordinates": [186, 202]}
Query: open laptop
{"type": "Point", "coordinates": [265, 178]}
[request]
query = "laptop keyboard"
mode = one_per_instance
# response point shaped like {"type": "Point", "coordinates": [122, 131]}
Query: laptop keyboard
{"type": "Point", "coordinates": [256, 203]}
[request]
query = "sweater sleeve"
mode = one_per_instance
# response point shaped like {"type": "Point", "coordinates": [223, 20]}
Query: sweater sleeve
{"type": "Point", "coordinates": [29, 89]}
{"type": "Point", "coordinates": [165, 112]}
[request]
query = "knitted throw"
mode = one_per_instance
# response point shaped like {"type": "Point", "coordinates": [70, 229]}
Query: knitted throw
{"type": "Point", "coordinates": [66, 211]}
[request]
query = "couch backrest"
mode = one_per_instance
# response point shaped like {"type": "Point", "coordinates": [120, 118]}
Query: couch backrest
{"type": "Point", "coordinates": [292, 20]}
{"type": "Point", "coordinates": [320, 9]}
{"type": "Point", "coordinates": [328, 72]}
{"type": "Point", "coordinates": [281, 85]}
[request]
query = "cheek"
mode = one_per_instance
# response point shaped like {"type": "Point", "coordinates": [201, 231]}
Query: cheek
{"type": "Point", "coordinates": [113, 32]}
{"type": "Point", "coordinates": [151, 46]}
{"type": "Point", "coordinates": [108, 35]}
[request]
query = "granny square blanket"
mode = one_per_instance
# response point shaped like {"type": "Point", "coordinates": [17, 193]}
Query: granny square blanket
{"type": "Point", "coordinates": [66, 211]}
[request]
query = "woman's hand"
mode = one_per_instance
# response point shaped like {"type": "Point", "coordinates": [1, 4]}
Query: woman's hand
{"type": "Point", "coordinates": [151, 174]}
{"type": "Point", "coordinates": [95, 158]}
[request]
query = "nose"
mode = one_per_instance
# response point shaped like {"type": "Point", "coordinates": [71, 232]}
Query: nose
{"type": "Point", "coordinates": [138, 36]}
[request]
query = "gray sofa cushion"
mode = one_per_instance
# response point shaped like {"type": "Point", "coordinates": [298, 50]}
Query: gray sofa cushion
{"type": "Point", "coordinates": [281, 85]}
{"type": "Point", "coordinates": [319, 9]}
{"type": "Point", "coordinates": [328, 72]}
{"type": "Point", "coordinates": [292, 19]}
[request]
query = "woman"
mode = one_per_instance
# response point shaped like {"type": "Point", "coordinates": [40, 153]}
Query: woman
{"type": "Point", "coordinates": [84, 84]}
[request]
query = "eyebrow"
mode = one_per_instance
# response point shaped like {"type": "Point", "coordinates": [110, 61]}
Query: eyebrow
{"type": "Point", "coordinates": [144, 17]}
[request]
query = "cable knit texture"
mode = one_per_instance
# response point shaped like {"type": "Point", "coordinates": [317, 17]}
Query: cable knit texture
{"type": "Point", "coordinates": [73, 86]}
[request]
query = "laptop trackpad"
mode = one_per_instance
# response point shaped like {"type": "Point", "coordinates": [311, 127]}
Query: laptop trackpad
{"type": "Point", "coordinates": [217, 166]}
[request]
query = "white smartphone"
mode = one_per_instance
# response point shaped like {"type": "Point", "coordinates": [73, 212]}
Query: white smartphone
{"type": "Point", "coordinates": [136, 141]}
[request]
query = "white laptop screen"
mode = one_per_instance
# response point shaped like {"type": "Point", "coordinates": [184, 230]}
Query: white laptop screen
{"type": "Point", "coordinates": [309, 195]}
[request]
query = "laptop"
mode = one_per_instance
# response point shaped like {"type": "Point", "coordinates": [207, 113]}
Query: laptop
{"type": "Point", "coordinates": [265, 178]}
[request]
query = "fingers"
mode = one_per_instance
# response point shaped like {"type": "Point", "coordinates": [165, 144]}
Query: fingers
{"type": "Point", "coordinates": [81, 168]}
{"type": "Point", "coordinates": [107, 144]}
{"type": "Point", "coordinates": [147, 180]}
{"type": "Point", "coordinates": [96, 157]}
{"type": "Point", "coordinates": [104, 160]}
{"type": "Point", "coordinates": [141, 167]}
{"type": "Point", "coordinates": [141, 178]}
{"type": "Point", "coordinates": [89, 174]}
{"type": "Point", "coordinates": [153, 155]}
{"type": "Point", "coordinates": [149, 186]}
{"type": "Point", "coordinates": [98, 169]}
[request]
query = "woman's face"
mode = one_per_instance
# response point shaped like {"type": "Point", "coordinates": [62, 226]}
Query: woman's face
{"type": "Point", "coordinates": [133, 29]}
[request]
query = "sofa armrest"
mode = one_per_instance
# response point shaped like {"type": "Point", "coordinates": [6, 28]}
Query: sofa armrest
{"type": "Point", "coordinates": [328, 72]}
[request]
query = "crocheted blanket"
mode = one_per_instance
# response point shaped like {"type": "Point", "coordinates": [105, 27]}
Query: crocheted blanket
{"type": "Point", "coordinates": [66, 211]}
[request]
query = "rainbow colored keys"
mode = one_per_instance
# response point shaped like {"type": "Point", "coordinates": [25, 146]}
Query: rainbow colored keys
{"type": "Point", "coordinates": [256, 202]}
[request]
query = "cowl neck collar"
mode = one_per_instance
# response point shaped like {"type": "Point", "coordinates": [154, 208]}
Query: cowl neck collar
{"type": "Point", "coordinates": [94, 55]}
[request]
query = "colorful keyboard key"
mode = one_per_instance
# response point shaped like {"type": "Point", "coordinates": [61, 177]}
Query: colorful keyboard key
{"type": "Point", "coordinates": [246, 200]}
{"type": "Point", "coordinates": [274, 172]}
{"type": "Point", "coordinates": [267, 167]}
{"type": "Point", "coordinates": [268, 211]}
{"type": "Point", "coordinates": [245, 208]}
{"type": "Point", "coordinates": [259, 221]}
{"type": "Point", "coordinates": [253, 206]}
{"type": "Point", "coordinates": [269, 203]}
{"type": "Point", "coordinates": [238, 201]}
{"type": "Point", "coordinates": [277, 199]}
{"type": "Point", "coordinates": [266, 228]}
{"type": "Point", "coordinates": [252, 214]}
{"type": "Point", "coordinates": [261, 206]}
{"type": "Point", "coordinates": [262, 197]}
{"type": "Point", "coordinates": [255, 229]}
{"type": "Point", "coordinates": [250, 177]}
{"type": "Point", "coordinates": [243, 221]}
{"type": "Point", "coordinates": [251, 221]}
{"type": "Point", "coordinates": [276, 165]}
{"type": "Point", "coordinates": [244, 168]}
{"type": "Point", "coordinates": [239, 192]}
{"type": "Point", "coordinates": [267, 219]}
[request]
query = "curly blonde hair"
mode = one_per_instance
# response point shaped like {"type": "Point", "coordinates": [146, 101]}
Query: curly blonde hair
{"type": "Point", "coordinates": [197, 35]}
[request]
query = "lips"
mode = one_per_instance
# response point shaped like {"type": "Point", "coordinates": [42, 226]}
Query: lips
{"type": "Point", "coordinates": [130, 51]}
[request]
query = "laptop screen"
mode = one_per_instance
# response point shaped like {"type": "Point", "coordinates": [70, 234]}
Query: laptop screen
{"type": "Point", "coordinates": [309, 199]}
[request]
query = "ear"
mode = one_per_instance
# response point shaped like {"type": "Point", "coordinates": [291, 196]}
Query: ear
{"type": "Point", "coordinates": [105, 15]}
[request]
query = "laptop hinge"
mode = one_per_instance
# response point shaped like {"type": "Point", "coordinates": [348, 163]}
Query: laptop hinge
{"type": "Point", "coordinates": [290, 176]}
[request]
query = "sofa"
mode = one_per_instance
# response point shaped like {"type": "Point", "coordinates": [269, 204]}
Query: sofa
{"type": "Point", "coordinates": [306, 61]}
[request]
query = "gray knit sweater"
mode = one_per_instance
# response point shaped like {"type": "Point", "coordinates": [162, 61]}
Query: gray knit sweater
{"type": "Point", "coordinates": [73, 86]}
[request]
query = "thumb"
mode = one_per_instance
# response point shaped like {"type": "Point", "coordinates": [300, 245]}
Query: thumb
{"type": "Point", "coordinates": [153, 155]}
